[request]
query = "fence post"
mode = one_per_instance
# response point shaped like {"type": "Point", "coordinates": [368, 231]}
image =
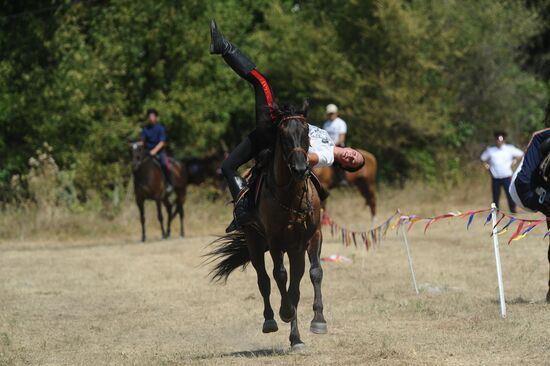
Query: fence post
{"type": "Point", "coordinates": [498, 264]}
{"type": "Point", "coordinates": [406, 242]}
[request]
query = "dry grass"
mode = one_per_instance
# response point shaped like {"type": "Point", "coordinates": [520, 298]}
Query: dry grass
{"type": "Point", "coordinates": [107, 299]}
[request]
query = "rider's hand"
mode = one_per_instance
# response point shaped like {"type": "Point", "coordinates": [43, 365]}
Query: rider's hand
{"type": "Point", "coordinates": [152, 153]}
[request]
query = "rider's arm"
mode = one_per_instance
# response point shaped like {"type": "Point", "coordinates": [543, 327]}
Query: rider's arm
{"type": "Point", "coordinates": [162, 142]}
{"type": "Point", "coordinates": [341, 139]}
{"type": "Point", "coordinates": [157, 148]}
{"type": "Point", "coordinates": [343, 130]}
{"type": "Point", "coordinates": [313, 159]}
{"type": "Point", "coordinates": [485, 158]}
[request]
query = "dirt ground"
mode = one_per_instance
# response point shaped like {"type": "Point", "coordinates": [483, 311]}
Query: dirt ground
{"type": "Point", "coordinates": [111, 301]}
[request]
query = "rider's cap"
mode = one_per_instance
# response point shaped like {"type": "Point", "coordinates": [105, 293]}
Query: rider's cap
{"type": "Point", "coordinates": [332, 108]}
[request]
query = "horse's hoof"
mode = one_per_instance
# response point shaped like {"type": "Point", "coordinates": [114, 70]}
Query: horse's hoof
{"type": "Point", "coordinates": [287, 318]}
{"type": "Point", "coordinates": [270, 326]}
{"type": "Point", "coordinates": [298, 347]}
{"type": "Point", "coordinates": [318, 328]}
{"type": "Point", "coordinates": [548, 297]}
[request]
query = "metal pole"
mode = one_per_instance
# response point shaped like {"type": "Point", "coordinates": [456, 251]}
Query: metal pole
{"type": "Point", "coordinates": [406, 242]}
{"type": "Point", "coordinates": [498, 264]}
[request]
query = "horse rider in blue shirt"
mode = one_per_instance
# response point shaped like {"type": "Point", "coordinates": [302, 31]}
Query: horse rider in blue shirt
{"type": "Point", "coordinates": [153, 136]}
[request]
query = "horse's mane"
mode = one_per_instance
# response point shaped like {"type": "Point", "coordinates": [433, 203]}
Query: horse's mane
{"type": "Point", "coordinates": [287, 109]}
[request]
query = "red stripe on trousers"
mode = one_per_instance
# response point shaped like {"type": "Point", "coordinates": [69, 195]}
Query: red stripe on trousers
{"type": "Point", "coordinates": [266, 89]}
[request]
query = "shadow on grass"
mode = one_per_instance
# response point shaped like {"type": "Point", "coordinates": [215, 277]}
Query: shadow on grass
{"type": "Point", "coordinates": [267, 352]}
{"type": "Point", "coordinates": [520, 300]}
{"type": "Point", "coordinates": [258, 353]}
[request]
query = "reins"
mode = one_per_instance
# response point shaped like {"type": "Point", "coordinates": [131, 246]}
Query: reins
{"type": "Point", "coordinates": [300, 214]}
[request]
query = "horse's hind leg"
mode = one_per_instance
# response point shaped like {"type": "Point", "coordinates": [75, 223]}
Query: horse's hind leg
{"type": "Point", "coordinates": [181, 214]}
{"type": "Point", "coordinates": [297, 266]}
{"type": "Point", "coordinates": [160, 218]}
{"type": "Point", "coordinates": [367, 191]}
{"type": "Point", "coordinates": [287, 311]}
{"type": "Point", "coordinates": [140, 204]}
{"type": "Point", "coordinates": [257, 257]}
{"type": "Point", "coordinates": [318, 323]}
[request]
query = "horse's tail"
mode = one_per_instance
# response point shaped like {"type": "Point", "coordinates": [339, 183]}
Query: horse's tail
{"type": "Point", "coordinates": [230, 253]}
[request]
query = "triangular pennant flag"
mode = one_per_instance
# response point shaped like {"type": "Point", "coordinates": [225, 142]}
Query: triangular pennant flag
{"type": "Point", "coordinates": [489, 217]}
{"type": "Point", "coordinates": [520, 226]}
{"type": "Point", "coordinates": [470, 219]}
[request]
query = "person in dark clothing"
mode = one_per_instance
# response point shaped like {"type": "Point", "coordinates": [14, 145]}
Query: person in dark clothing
{"type": "Point", "coordinates": [153, 136]}
{"type": "Point", "coordinates": [263, 136]}
{"type": "Point", "coordinates": [531, 181]}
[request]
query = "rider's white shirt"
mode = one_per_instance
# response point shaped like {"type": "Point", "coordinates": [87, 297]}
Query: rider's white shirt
{"type": "Point", "coordinates": [322, 145]}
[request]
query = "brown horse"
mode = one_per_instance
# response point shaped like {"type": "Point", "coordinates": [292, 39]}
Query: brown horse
{"type": "Point", "coordinates": [364, 179]}
{"type": "Point", "coordinates": [149, 184]}
{"type": "Point", "coordinates": [288, 221]}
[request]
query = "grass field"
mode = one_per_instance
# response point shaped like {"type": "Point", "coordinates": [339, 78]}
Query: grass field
{"type": "Point", "coordinates": [100, 297]}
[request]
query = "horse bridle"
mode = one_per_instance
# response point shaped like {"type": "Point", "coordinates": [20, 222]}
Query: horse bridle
{"type": "Point", "coordinates": [300, 214]}
{"type": "Point", "coordinates": [297, 149]}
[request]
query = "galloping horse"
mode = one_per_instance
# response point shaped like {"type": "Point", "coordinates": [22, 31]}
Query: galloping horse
{"type": "Point", "coordinates": [149, 184]}
{"type": "Point", "coordinates": [364, 179]}
{"type": "Point", "coordinates": [287, 221]}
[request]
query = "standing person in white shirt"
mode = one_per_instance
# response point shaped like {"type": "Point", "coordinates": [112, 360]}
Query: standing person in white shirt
{"type": "Point", "coordinates": [335, 126]}
{"type": "Point", "coordinates": [498, 159]}
{"type": "Point", "coordinates": [337, 129]}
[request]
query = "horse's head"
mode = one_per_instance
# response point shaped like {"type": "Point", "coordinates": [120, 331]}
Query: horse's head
{"type": "Point", "coordinates": [293, 139]}
{"type": "Point", "coordinates": [137, 151]}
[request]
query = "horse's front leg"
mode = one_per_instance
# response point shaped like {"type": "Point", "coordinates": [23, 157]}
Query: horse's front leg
{"type": "Point", "coordinates": [160, 218]}
{"type": "Point", "coordinates": [287, 311]}
{"type": "Point", "coordinates": [318, 324]}
{"type": "Point", "coordinates": [297, 267]}
{"type": "Point", "coordinates": [141, 206]}
{"type": "Point", "coordinates": [257, 257]}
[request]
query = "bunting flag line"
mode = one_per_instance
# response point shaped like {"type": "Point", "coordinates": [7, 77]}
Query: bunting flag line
{"type": "Point", "coordinates": [373, 237]}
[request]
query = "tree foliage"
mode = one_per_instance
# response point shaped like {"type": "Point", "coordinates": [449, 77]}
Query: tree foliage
{"type": "Point", "coordinates": [421, 83]}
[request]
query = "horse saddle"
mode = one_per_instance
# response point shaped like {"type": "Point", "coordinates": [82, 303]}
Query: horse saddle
{"type": "Point", "coordinates": [256, 179]}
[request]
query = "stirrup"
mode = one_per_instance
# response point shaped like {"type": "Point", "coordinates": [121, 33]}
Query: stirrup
{"type": "Point", "coordinates": [244, 218]}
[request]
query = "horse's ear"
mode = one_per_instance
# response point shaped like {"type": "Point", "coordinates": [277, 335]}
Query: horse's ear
{"type": "Point", "coordinates": [305, 107]}
{"type": "Point", "coordinates": [276, 110]}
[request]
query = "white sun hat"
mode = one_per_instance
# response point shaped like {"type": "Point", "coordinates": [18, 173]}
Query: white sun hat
{"type": "Point", "coordinates": [332, 108]}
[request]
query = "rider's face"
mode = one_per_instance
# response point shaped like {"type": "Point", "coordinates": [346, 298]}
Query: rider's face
{"type": "Point", "coordinates": [351, 158]}
{"type": "Point", "coordinates": [152, 118]}
{"type": "Point", "coordinates": [332, 116]}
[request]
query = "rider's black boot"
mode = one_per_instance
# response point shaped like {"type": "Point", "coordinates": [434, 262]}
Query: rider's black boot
{"type": "Point", "coordinates": [241, 214]}
{"type": "Point", "coordinates": [168, 186]}
{"type": "Point", "coordinates": [231, 54]}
